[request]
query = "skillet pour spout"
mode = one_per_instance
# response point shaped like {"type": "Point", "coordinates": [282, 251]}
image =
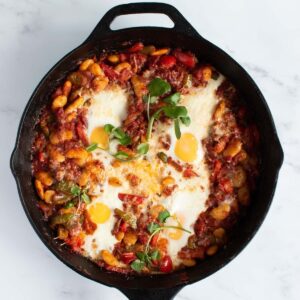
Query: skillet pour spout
{"type": "Point", "coordinates": [182, 35]}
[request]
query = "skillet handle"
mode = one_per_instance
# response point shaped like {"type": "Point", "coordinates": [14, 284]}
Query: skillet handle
{"type": "Point", "coordinates": [180, 23]}
{"type": "Point", "coordinates": [151, 294]}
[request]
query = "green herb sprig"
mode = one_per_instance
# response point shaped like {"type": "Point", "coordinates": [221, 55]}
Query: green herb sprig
{"type": "Point", "coordinates": [158, 88]}
{"type": "Point", "coordinates": [146, 257]}
{"type": "Point", "coordinates": [117, 133]}
{"type": "Point", "coordinates": [76, 191]}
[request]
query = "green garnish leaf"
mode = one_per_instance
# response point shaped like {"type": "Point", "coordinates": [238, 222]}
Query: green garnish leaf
{"type": "Point", "coordinates": [91, 147]}
{"type": "Point", "coordinates": [118, 133]}
{"type": "Point", "coordinates": [149, 99]}
{"type": "Point", "coordinates": [143, 257]}
{"type": "Point", "coordinates": [142, 148]}
{"type": "Point", "coordinates": [108, 128]}
{"type": "Point", "coordinates": [126, 140]}
{"type": "Point", "coordinates": [146, 98]}
{"type": "Point", "coordinates": [69, 204]}
{"type": "Point", "coordinates": [123, 138]}
{"type": "Point", "coordinates": [85, 197]}
{"type": "Point", "coordinates": [155, 255]}
{"type": "Point", "coordinates": [152, 227]}
{"type": "Point", "coordinates": [185, 120]}
{"type": "Point", "coordinates": [177, 129]}
{"type": "Point", "coordinates": [163, 216]}
{"type": "Point", "coordinates": [174, 112]}
{"type": "Point", "coordinates": [173, 99]}
{"type": "Point", "coordinates": [75, 190]}
{"type": "Point", "coordinates": [121, 155]}
{"type": "Point", "coordinates": [137, 265]}
{"type": "Point", "coordinates": [158, 87]}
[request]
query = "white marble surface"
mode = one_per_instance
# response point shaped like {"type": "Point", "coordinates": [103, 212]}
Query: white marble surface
{"type": "Point", "coordinates": [263, 35]}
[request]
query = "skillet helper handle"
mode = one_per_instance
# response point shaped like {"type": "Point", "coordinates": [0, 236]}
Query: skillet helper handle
{"type": "Point", "coordinates": [180, 23]}
{"type": "Point", "coordinates": [151, 294]}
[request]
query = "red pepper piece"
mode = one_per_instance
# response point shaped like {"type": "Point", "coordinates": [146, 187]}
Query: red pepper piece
{"type": "Point", "coordinates": [81, 132]}
{"type": "Point", "coordinates": [128, 257]}
{"type": "Point", "coordinates": [136, 47]}
{"type": "Point", "coordinates": [189, 173]}
{"type": "Point", "coordinates": [154, 240]}
{"type": "Point", "coordinates": [166, 264]}
{"type": "Point", "coordinates": [226, 185]}
{"type": "Point", "coordinates": [189, 60]}
{"type": "Point", "coordinates": [41, 157]}
{"type": "Point", "coordinates": [123, 57]}
{"type": "Point", "coordinates": [123, 226]}
{"type": "Point", "coordinates": [167, 61]}
{"type": "Point", "coordinates": [133, 199]}
{"type": "Point", "coordinates": [109, 71]}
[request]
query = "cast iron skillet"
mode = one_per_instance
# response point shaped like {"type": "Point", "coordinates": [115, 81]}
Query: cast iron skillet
{"type": "Point", "coordinates": [182, 35]}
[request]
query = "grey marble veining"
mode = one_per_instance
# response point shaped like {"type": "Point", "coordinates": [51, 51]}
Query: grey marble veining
{"type": "Point", "coordinates": [263, 36]}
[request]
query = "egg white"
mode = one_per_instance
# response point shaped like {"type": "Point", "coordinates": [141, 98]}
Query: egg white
{"type": "Point", "coordinates": [187, 200]}
{"type": "Point", "coordinates": [102, 238]}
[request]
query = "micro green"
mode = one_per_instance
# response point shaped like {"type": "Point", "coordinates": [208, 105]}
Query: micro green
{"type": "Point", "coordinates": [163, 216]}
{"type": "Point", "coordinates": [76, 191]}
{"type": "Point", "coordinates": [137, 265]}
{"type": "Point", "coordinates": [172, 99]}
{"type": "Point", "coordinates": [155, 255]}
{"type": "Point", "coordinates": [121, 155]}
{"type": "Point", "coordinates": [142, 148]}
{"type": "Point", "coordinates": [146, 257]}
{"type": "Point", "coordinates": [152, 227]}
{"type": "Point", "coordinates": [157, 89]}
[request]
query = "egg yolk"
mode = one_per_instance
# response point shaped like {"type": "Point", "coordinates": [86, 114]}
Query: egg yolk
{"type": "Point", "coordinates": [175, 234]}
{"type": "Point", "coordinates": [99, 213]}
{"type": "Point", "coordinates": [186, 147]}
{"type": "Point", "coordinates": [100, 137]}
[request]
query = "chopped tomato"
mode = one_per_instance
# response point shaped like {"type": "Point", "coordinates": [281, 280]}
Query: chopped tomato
{"type": "Point", "coordinates": [154, 240]}
{"type": "Point", "coordinates": [136, 47]}
{"type": "Point", "coordinates": [123, 226]}
{"type": "Point", "coordinates": [187, 59]}
{"type": "Point", "coordinates": [41, 157]}
{"type": "Point", "coordinates": [143, 238]}
{"type": "Point", "coordinates": [128, 257]}
{"type": "Point", "coordinates": [167, 61]}
{"type": "Point", "coordinates": [189, 173]}
{"type": "Point", "coordinates": [109, 71]}
{"type": "Point", "coordinates": [81, 132]}
{"type": "Point", "coordinates": [226, 185]}
{"type": "Point", "coordinates": [125, 75]}
{"type": "Point", "coordinates": [133, 199]}
{"type": "Point", "coordinates": [88, 225]}
{"type": "Point", "coordinates": [123, 57]}
{"type": "Point", "coordinates": [217, 167]}
{"type": "Point", "coordinates": [75, 242]}
{"type": "Point", "coordinates": [166, 264]}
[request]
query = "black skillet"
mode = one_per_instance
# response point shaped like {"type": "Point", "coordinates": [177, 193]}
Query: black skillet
{"type": "Point", "coordinates": [183, 35]}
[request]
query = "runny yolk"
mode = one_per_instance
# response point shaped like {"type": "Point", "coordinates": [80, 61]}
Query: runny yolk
{"type": "Point", "coordinates": [186, 147]}
{"type": "Point", "coordinates": [99, 213]}
{"type": "Point", "coordinates": [100, 137]}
